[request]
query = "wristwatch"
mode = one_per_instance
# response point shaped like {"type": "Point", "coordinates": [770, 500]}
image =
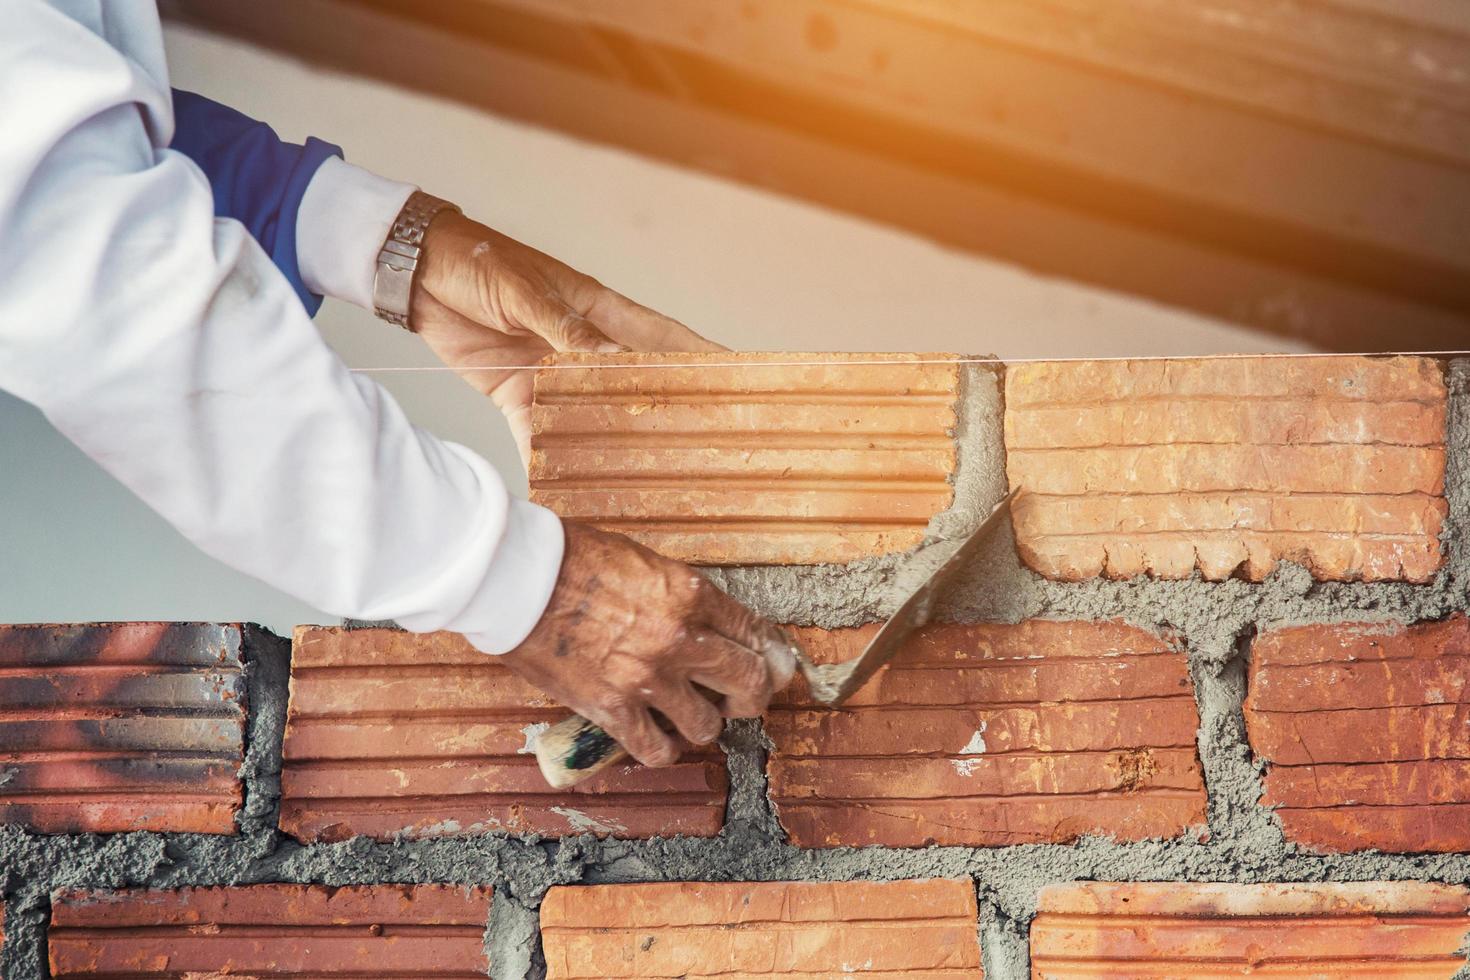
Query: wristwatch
{"type": "Point", "coordinates": [399, 257]}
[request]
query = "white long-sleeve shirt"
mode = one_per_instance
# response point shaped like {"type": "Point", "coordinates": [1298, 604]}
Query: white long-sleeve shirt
{"type": "Point", "coordinates": [165, 344]}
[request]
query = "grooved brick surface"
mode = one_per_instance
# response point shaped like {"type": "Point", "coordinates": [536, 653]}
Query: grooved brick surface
{"type": "Point", "coordinates": [1365, 730]}
{"type": "Point", "coordinates": [1375, 930]}
{"type": "Point", "coordinates": [396, 931]}
{"type": "Point", "coordinates": [1228, 466]}
{"type": "Point", "coordinates": [121, 726]}
{"type": "Point", "coordinates": [739, 930]}
{"type": "Point", "coordinates": [990, 735]}
{"type": "Point", "coordinates": [764, 463]}
{"type": "Point", "coordinates": [391, 732]}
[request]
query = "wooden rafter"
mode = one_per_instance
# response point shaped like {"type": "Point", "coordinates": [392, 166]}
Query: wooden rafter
{"type": "Point", "coordinates": [1274, 169]}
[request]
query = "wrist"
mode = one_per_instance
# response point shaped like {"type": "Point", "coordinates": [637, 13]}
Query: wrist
{"type": "Point", "coordinates": [345, 215]}
{"type": "Point", "coordinates": [449, 246]}
{"type": "Point", "coordinates": [399, 258]}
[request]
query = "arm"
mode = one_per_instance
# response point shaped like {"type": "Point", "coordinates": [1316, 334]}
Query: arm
{"type": "Point", "coordinates": [166, 345]}
{"type": "Point", "coordinates": [169, 348]}
{"type": "Point", "coordinates": [482, 301]}
{"type": "Point", "coordinates": [321, 220]}
{"type": "Point", "coordinates": [255, 177]}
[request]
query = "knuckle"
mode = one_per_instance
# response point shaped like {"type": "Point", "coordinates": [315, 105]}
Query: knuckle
{"type": "Point", "coordinates": [618, 707]}
{"type": "Point", "coordinates": [639, 677]}
{"type": "Point", "coordinates": [748, 673]}
{"type": "Point", "coordinates": [658, 753]}
{"type": "Point", "coordinates": [709, 725]}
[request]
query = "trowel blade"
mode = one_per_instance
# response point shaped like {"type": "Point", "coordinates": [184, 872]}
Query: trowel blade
{"type": "Point", "coordinates": [834, 683]}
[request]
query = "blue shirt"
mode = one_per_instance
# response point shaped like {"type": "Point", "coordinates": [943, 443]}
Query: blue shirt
{"type": "Point", "coordinates": [256, 177]}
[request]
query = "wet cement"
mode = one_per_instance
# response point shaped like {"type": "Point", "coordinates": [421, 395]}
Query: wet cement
{"type": "Point", "coordinates": [1214, 621]}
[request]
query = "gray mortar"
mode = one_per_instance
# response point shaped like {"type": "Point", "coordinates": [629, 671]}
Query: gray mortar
{"type": "Point", "coordinates": [1213, 621]}
{"type": "Point", "coordinates": [267, 679]}
{"type": "Point", "coordinates": [831, 596]}
{"type": "Point", "coordinates": [512, 940]}
{"type": "Point", "coordinates": [1003, 952]}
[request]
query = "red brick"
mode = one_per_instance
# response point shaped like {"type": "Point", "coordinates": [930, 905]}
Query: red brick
{"type": "Point", "coordinates": [1135, 930]}
{"type": "Point", "coordinates": [767, 462]}
{"type": "Point", "coordinates": [1229, 466]}
{"type": "Point", "coordinates": [1364, 729]}
{"type": "Point", "coordinates": [988, 735]}
{"type": "Point", "coordinates": [271, 930]}
{"type": "Point", "coordinates": [121, 726]}
{"type": "Point", "coordinates": [696, 929]}
{"type": "Point", "coordinates": [393, 733]}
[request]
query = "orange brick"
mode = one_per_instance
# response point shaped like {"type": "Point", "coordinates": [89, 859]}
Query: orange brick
{"type": "Point", "coordinates": [1094, 930]}
{"type": "Point", "coordinates": [1364, 728]}
{"type": "Point", "coordinates": [1229, 466]}
{"type": "Point", "coordinates": [271, 930]}
{"type": "Point", "coordinates": [989, 735]}
{"type": "Point", "coordinates": [121, 726]}
{"type": "Point", "coordinates": [768, 462]}
{"type": "Point", "coordinates": [696, 929]}
{"type": "Point", "coordinates": [393, 733]}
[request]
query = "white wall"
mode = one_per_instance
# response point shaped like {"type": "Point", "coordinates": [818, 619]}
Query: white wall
{"type": "Point", "coordinates": [746, 267]}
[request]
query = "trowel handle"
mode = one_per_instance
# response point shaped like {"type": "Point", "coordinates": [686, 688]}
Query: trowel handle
{"type": "Point", "coordinates": [573, 749]}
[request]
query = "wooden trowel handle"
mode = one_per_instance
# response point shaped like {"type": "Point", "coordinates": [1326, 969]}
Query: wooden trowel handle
{"type": "Point", "coordinates": [573, 749]}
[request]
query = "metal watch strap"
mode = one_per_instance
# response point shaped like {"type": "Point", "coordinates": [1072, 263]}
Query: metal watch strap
{"type": "Point", "coordinates": [399, 257]}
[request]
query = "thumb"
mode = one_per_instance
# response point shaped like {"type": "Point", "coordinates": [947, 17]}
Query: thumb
{"type": "Point", "coordinates": [567, 330]}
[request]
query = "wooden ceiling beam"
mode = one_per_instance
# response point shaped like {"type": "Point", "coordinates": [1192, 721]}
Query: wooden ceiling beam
{"type": "Point", "coordinates": [1307, 265]}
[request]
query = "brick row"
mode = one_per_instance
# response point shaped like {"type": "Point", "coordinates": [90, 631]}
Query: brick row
{"type": "Point", "coordinates": [924, 928]}
{"type": "Point", "coordinates": [393, 734]}
{"type": "Point", "coordinates": [776, 929]}
{"type": "Point", "coordinates": [1099, 930]}
{"type": "Point", "coordinates": [990, 735]}
{"type": "Point", "coordinates": [1154, 467]}
{"type": "Point", "coordinates": [1228, 466]}
{"type": "Point", "coordinates": [391, 931]}
{"type": "Point", "coordinates": [1364, 730]}
{"type": "Point", "coordinates": [785, 458]}
{"type": "Point", "coordinates": [119, 727]}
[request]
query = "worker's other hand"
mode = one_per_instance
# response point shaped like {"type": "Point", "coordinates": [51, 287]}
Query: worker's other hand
{"type": "Point", "coordinates": [483, 300]}
{"type": "Point", "coordinates": [628, 632]}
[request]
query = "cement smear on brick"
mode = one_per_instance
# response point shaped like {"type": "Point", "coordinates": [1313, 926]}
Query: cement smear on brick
{"type": "Point", "coordinates": [831, 596]}
{"type": "Point", "coordinates": [1242, 843]}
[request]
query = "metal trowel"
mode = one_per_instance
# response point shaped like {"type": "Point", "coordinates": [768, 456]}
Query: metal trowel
{"type": "Point", "coordinates": [574, 749]}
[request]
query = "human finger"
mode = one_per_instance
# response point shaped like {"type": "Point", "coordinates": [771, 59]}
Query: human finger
{"type": "Point", "coordinates": [692, 714]}
{"type": "Point", "coordinates": [737, 622]}
{"type": "Point", "coordinates": [734, 671]}
{"type": "Point", "coordinates": [642, 328]}
{"type": "Point", "coordinates": [635, 729]}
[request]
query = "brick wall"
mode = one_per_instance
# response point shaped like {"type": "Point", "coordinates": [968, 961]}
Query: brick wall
{"type": "Point", "coordinates": [1203, 714]}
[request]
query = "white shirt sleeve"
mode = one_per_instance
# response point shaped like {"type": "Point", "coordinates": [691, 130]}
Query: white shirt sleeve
{"type": "Point", "coordinates": [344, 218]}
{"type": "Point", "coordinates": [164, 343]}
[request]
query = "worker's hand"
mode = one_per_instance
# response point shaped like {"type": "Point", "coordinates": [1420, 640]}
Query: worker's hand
{"type": "Point", "coordinates": [627, 631]}
{"type": "Point", "coordinates": [482, 299]}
